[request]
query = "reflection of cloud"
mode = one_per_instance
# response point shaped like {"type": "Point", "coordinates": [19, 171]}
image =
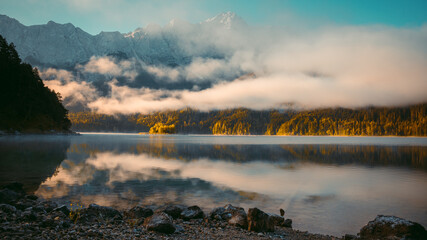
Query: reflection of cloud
{"type": "Point", "coordinates": [58, 185]}
{"type": "Point", "coordinates": [259, 177]}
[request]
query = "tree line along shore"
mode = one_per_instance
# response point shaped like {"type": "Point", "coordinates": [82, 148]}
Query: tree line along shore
{"type": "Point", "coordinates": [369, 121]}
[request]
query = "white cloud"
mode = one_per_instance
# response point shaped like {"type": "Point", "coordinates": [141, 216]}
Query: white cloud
{"type": "Point", "coordinates": [335, 66]}
{"type": "Point", "coordinates": [163, 72]}
{"type": "Point", "coordinates": [72, 91]}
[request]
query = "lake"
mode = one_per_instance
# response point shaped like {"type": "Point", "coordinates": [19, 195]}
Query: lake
{"type": "Point", "coordinates": [329, 185]}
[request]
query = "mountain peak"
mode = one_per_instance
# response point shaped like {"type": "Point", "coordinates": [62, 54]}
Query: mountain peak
{"type": "Point", "coordinates": [52, 23]}
{"type": "Point", "coordinates": [7, 19]}
{"type": "Point", "coordinates": [227, 19]}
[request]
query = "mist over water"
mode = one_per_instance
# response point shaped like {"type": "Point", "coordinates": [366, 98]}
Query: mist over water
{"type": "Point", "coordinates": [331, 185]}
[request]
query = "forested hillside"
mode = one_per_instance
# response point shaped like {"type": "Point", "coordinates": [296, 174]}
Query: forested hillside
{"type": "Point", "coordinates": [372, 121]}
{"type": "Point", "coordinates": [26, 104]}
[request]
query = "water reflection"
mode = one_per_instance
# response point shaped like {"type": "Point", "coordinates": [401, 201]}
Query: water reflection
{"type": "Point", "coordinates": [30, 160]}
{"type": "Point", "coordinates": [325, 187]}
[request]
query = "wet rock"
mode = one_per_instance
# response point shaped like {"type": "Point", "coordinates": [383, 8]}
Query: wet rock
{"type": "Point", "coordinates": [193, 212]}
{"type": "Point", "coordinates": [174, 210]}
{"type": "Point", "coordinates": [238, 216]}
{"type": "Point", "coordinates": [239, 219]}
{"type": "Point", "coordinates": [235, 216]}
{"type": "Point", "coordinates": [276, 219]}
{"type": "Point", "coordinates": [220, 213]}
{"type": "Point", "coordinates": [392, 227]}
{"type": "Point", "coordinates": [96, 213]}
{"type": "Point", "coordinates": [138, 212]}
{"type": "Point", "coordinates": [160, 222]}
{"type": "Point", "coordinates": [259, 221]}
{"type": "Point", "coordinates": [287, 223]}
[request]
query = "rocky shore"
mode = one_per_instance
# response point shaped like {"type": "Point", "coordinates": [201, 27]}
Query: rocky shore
{"type": "Point", "coordinates": [25, 216]}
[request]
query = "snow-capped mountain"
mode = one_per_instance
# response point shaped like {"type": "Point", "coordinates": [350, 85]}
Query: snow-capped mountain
{"type": "Point", "coordinates": [64, 45]}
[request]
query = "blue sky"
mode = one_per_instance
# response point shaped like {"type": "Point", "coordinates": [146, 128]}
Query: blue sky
{"type": "Point", "coordinates": [94, 16]}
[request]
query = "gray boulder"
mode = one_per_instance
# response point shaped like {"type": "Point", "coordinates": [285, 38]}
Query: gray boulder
{"type": "Point", "coordinates": [391, 227]}
{"type": "Point", "coordinates": [193, 212]}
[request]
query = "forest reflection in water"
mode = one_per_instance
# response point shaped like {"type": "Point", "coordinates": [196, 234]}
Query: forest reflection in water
{"type": "Point", "coordinates": [324, 186]}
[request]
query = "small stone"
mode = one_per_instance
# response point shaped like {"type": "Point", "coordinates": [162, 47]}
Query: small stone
{"type": "Point", "coordinates": [282, 212]}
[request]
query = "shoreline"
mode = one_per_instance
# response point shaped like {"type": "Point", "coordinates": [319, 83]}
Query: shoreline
{"type": "Point", "coordinates": [39, 133]}
{"type": "Point", "coordinates": [27, 216]}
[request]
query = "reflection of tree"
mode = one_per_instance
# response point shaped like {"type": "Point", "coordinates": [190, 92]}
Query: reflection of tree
{"type": "Point", "coordinates": [31, 162]}
{"type": "Point", "coordinates": [411, 156]}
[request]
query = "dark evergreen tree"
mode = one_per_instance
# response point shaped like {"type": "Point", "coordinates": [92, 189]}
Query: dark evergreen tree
{"type": "Point", "coordinates": [26, 104]}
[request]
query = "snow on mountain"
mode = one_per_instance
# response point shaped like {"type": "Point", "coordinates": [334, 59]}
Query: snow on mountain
{"type": "Point", "coordinates": [228, 20]}
{"type": "Point", "coordinates": [64, 45]}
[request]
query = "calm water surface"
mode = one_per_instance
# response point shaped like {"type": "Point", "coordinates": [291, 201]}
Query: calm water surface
{"type": "Point", "coordinates": [331, 185]}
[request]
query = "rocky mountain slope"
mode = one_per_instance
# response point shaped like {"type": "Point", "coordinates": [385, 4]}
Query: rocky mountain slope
{"type": "Point", "coordinates": [64, 45]}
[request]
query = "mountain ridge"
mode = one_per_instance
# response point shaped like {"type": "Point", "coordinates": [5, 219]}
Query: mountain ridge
{"type": "Point", "coordinates": [65, 45]}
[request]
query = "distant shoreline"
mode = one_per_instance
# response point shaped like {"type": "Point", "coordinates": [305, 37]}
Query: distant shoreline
{"type": "Point", "coordinates": [41, 133]}
{"type": "Point", "coordinates": [243, 135]}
